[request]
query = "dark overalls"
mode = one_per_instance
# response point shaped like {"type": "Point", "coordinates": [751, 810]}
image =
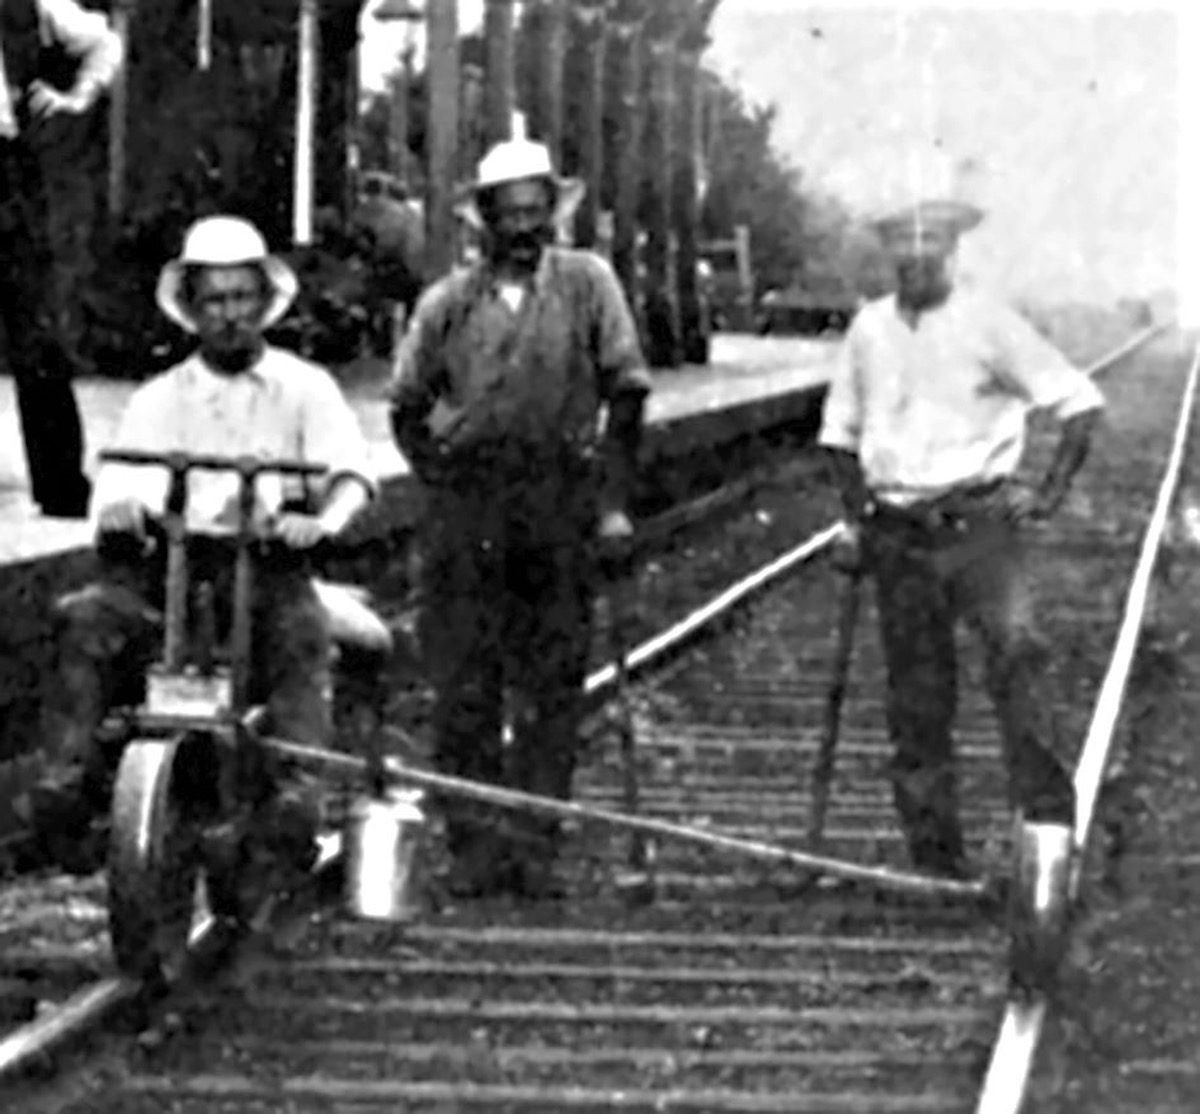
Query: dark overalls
{"type": "Point", "coordinates": [497, 409]}
{"type": "Point", "coordinates": [933, 564]}
{"type": "Point", "coordinates": [50, 423]}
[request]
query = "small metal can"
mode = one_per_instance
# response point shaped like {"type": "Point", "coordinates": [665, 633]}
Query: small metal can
{"type": "Point", "coordinates": [383, 838]}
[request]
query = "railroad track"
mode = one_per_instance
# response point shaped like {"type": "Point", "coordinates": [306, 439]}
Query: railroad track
{"type": "Point", "coordinates": [741, 987]}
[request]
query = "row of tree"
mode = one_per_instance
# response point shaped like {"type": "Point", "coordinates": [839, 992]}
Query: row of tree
{"type": "Point", "coordinates": [719, 147]}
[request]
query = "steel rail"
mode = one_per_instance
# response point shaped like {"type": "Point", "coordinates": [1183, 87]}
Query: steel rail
{"type": "Point", "coordinates": [1010, 1070]}
{"type": "Point", "coordinates": [32, 1044]}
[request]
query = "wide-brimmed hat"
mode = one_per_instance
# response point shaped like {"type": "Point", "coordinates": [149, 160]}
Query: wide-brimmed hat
{"type": "Point", "coordinates": [519, 159]}
{"type": "Point", "coordinates": [224, 241]}
{"type": "Point", "coordinates": [945, 219]}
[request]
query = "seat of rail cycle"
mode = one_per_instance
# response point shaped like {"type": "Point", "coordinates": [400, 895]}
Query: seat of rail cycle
{"type": "Point", "coordinates": [198, 791]}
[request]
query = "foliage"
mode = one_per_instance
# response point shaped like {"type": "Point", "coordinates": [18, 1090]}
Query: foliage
{"type": "Point", "coordinates": [798, 236]}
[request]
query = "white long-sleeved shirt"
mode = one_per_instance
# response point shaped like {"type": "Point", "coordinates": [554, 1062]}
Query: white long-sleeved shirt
{"type": "Point", "coordinates": [84, 33]}
{"type": "Point", "coordinates": [282, 408]}
{"type": "Point", "coordinates": [944, 404]}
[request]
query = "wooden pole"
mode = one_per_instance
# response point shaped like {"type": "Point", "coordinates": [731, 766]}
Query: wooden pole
{"type": "Point", "coordinates": [118, 114]}
{"type": "Point", "coordinates": [587, 33]}
{"type": "Point", "coordinates": [306, 97]}
{"type": "Point", "coordinates": [204, 28]}
{"type": "Point", "coordinates": [499, 67]}
{"type": "Point", "coordinates": [441, 134]}
{"type": "Point", "coordinates": [629, 55]}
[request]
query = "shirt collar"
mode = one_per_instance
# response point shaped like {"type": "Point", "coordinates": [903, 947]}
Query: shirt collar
{"type": "Point", "coordinates": [202, 371]}
{"type": "Point", "coordinates": [488, 285]}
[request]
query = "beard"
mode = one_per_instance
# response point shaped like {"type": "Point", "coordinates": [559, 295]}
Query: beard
{"type": "Point", "coordinates": [522, 248]}
{"type": "Point", "coordinates": [233, 349]}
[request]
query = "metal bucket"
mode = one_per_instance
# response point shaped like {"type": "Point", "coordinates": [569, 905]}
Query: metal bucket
{"type": "Point", "coordinates": [382, 840]}
{"type": "Point", "coordinates": [1040, 904]}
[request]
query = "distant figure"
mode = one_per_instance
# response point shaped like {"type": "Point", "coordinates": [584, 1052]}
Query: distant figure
{"type": "Point", "coordinates": [518, 396]}
{"type": "Point", "coordinates": [925, 422]}
{"type": "Point", "coordinates": [391, 230]}
{"type": "Point", "coordinates": [55, 57]}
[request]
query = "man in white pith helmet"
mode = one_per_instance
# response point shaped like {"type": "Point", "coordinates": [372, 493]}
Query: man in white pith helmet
{"type": "Point", "coordinates": [499, 389]}
{"type": "Point", "coordinates": [925, 424]}
{"type": "Point", "coordinates": [234, 395]}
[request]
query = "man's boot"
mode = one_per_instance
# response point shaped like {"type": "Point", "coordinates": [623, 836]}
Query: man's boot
{"type": "Point", "coordinates": [534, 849]}
{"type": "Point", "coordinates": [927, 801]}
{"type": "Point", "coordinates": [481, 860]}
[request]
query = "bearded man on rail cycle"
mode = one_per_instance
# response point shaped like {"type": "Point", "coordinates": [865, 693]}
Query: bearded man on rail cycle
{"type": "Point", "coordinates": [925, 425]}
{"type": "Point", "coordinates": [235, 395]}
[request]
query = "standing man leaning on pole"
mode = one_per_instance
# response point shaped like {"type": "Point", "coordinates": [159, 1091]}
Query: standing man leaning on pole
{"type": "Point", "coordinates": [925, 423]}
{"type": "Point", "coordinates": [55, 57]}
{"type": "Point", "coordinates": [499, 390]}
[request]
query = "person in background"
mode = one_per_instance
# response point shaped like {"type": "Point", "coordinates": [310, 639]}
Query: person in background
{"type": "Point", "coordinates": [518, 398]}
{"type": "Point", "coordinates": [925, 426]}
{"type": "Point", "coordinates": [55, 57]}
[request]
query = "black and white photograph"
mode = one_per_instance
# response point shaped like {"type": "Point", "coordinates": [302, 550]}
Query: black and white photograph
{"type": "Point", "coordinates": [599, 555]}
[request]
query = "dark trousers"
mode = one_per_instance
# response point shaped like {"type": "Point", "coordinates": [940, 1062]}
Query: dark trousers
{"type": "Point", "coordinates": [107, 638]}
{"type": "Point", "coordinates": [505, 631]}
{"type": "Point", "coordinates": [927, 578]}
{"type": "Point", "coordinates": [50, 423]}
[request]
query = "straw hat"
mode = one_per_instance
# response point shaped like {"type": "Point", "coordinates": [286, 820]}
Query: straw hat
{"type": "Point", "coordinates": [520, 160]}
{"type": "Point", "coordinates": [941, 220]}
{"type": "Point", "coordinates": [224, 241]}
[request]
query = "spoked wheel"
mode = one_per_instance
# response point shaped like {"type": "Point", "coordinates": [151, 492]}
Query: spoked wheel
{"type": "Point", "coordinates": [154, 860]}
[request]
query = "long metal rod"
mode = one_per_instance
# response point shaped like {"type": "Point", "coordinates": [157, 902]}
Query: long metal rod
{"type": "Point", "coordinates": [1011, 1066]}
{"type": "Point", "coordinates": [882, 877]}
{"type": "Point", "coordinates": [850, 592]}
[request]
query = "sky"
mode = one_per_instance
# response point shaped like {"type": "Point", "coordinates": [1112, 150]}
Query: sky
{"type": "Point", "coordinates": [1068, 113]}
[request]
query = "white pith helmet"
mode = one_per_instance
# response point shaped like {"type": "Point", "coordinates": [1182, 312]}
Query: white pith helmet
{"type": "Point", "coordinates": [225, 241]}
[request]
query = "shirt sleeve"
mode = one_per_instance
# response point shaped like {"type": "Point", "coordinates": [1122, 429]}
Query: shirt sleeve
{"type": "Point", "coordinates": [1044, 377]}
{"type": "Point", "coordinates": [145, 426]}
{"type": "Point", "coordinates": [416, 367]}
{"type": "Point", "coordinates": [841, 419]}
{"type": "Point", "coordinates": [88, 36]}
{"type": "Point", "coordinates": [332, 434]}
{"type": "Point", "coordinates": [619, 355]}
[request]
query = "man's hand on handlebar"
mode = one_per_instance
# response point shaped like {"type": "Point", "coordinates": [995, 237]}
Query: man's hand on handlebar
{"type": "Point", "coordinates": [125, 516]}
{"type": "Point", "coordinates": [302, 531]}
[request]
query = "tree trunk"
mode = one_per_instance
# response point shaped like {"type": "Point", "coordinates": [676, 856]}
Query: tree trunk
{"type": "Point", "coordinates": [586, 53]}
{"type": "Point", "coordinates": [686, 209]}
{"type": "Point", "coordinates": [545, 24]}
{"type": "Point", "coordinates": [661, 310]}
{"type": "Point", "coordinates": [628, 53]}
{"type": "Point", "coordinates": [498, 71]}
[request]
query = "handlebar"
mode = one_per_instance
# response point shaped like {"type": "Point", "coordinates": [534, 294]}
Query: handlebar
{"type": "Point", "coordinates": [246, 466]}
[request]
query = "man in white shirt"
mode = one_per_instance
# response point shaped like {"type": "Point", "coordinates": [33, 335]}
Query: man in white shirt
{"type": "Point", "coordinates": [235, 395]}
{"type": "Point", "coordinates": [55, 58]}
{"type": "Point", "coordinates": [925, 424]}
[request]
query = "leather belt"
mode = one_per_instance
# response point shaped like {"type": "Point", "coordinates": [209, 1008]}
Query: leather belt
{"type": "Point", "coordinates": [951, 511]}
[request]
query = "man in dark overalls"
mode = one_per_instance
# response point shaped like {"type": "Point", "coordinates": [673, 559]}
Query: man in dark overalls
{"type": "Point", "coordinates": [502, 384]}
{"type": "Point", "coordinates": [55, 57]}
{"type": "Point", "coordinates": [925, 422]}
